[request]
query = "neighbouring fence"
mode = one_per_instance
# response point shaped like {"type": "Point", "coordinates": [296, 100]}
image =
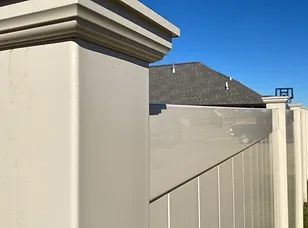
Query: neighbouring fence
{"type": "Point", "coordinates": [213, 167]}
{"type": "Point", "coordinates": [291, 168]}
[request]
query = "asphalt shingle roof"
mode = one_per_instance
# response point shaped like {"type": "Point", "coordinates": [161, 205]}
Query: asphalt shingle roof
{"type": "Point", "coordinates": [197, 84]}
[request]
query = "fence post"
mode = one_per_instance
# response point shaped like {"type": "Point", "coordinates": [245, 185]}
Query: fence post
{"type": "Point", "coordinates": [305, 137]}
{"type": "Point", "coordinates": [306, 148]}
{"type": "Point", "coordinates": [304, 151]}
{"type": "Point", "coordinates": [299, 202]}
{"type": "Point", "coordinates": [74, 112]}
{"type": "Point", "coordinates": [278, 105]}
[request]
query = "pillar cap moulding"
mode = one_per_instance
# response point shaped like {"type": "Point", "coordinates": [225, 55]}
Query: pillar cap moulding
{"type": "Point", "coordinates": [275, 99]}
{"type": "Point", "coordinates": [295, 106]}
{"type": "Point", "coordinates": [125, 26]}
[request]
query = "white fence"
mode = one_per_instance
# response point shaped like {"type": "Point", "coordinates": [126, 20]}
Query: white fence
{"type": "Point", "coordinates": [214, 167]}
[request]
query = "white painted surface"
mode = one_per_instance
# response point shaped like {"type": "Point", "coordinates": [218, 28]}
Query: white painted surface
{"type": "Point", "coordinates": [299, 202]}
{"type": "Point", "coordinates": [278, 104]}
{"type": "Point", "coordinates": [199, 138]}
{"type": "Point", "coordinates": [74, 149]}
{"type": "Point", "coordinates": [228, 195]}
{"type": "Point", "coordinates": [304, 152]}
{"type": "Point", "coordinates": [113, 141]}
{"type": "Point", "coordinates": [38, 137]}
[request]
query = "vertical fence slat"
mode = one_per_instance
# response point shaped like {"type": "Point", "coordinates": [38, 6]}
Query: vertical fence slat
{"type": "Point", "coordinates": [255, 186]}
{"type": "Point", "coordinates": [184, 206]}
{"type": "Point", "coordinates": [239, 191]}
{"type": "Point", "coordinates": [159, 213]}
{"type": "Point", "coordinates": [226, 194]}
{"type": "Point", "coordinates": [209, 198]}
{"type": "Point", "coordinates": [248, 189]}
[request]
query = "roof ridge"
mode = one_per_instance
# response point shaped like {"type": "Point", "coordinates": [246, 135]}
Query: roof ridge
{"type": "Point", "coordinates": [190, 63]}
{"type": "Point", "coordinates": [176, 64]}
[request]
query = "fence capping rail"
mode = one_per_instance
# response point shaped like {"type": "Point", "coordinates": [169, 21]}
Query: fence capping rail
{"type": "Point", "coordinates": [275, 99]}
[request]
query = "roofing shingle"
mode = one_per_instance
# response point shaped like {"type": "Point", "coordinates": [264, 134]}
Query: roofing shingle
{"type": "Point", "coordinates": [197, 84]}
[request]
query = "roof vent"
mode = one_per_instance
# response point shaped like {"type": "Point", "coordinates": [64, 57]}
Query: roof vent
{"type": "Point", "coordinates": [173, 68]}
{"type": "Point", "coordinates": [227, 88]}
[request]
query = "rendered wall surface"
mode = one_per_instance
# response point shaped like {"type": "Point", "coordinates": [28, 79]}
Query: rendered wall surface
{"type": "Point", "coordinates": [72, 134]}
{"type": "Point", "coordinates": [37, 138]}
{"type": "Point", "coordinates": [113, 141]}
{"type": "Point", "coordinates": [74, 148]}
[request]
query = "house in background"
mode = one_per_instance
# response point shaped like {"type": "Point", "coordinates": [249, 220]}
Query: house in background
{"type": "Point", "coordinates": [196, 84]}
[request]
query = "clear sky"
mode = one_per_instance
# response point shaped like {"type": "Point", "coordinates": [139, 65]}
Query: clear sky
{"type": "Point", "coordinates": [262, 43]}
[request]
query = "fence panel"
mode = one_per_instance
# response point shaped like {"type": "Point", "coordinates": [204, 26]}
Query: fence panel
{"type": "Point", "coordinates": [228, 195]}
{"type": "Point", "coordinates": [233, 186]}
{"type": "Point", "coordinates": [199, 138]}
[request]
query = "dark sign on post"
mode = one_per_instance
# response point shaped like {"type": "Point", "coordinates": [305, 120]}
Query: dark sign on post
{"type": "Point", "coordinates": [284, 92]}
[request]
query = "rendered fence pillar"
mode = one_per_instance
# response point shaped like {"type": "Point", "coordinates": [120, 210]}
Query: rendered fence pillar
{"type": "Point", "coordinates": [278, 104]}
{"type": "Point", "coordinates": [304, 151]}
{"type": "Point", "coordinates": [299, 202]}
{"type": "Point", "coordinates": [74, 112]}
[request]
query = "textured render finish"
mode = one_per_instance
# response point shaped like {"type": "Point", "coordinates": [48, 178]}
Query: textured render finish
{"type": "Point", "coordinates": [199, 138]}
{"type": "Point", "coordinates": [223, 196]}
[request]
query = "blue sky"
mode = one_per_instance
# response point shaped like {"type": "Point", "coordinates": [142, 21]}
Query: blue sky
{"type": "Point", "coordinates": [262, 43]}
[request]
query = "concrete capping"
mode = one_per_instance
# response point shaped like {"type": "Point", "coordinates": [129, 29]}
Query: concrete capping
{"type": "Point", "coordinates": [275, 100]}
{"type": "Point", "coordinates": [151, 15]}
{"type": "Point", "coordinates": [295, 106]}
{"type": "Point", "coordinates": [91, 22]}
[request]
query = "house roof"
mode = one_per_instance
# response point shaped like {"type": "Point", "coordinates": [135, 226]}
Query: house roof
{"type": "Point", "coordinates": [197, 84]}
